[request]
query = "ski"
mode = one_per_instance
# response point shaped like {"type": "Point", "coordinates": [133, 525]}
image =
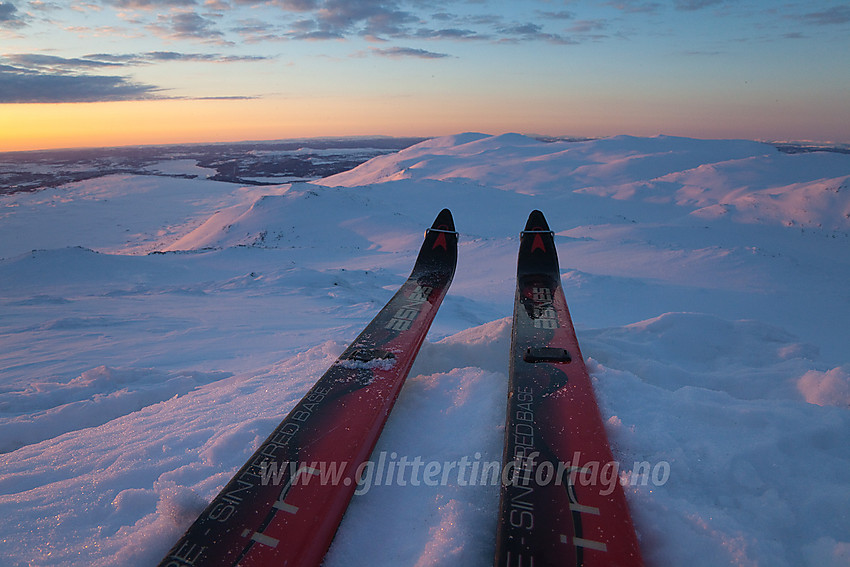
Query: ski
{"type": "Point", "coordinates": [284, 505]}
{"type": "Point", "coordinates": [561, 501]}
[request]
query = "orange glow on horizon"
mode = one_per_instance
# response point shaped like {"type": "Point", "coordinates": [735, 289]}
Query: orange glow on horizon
{"type": "Point", "coordinates": [75, 125]}
{"type": "Point", "coordinates": [104, 124]}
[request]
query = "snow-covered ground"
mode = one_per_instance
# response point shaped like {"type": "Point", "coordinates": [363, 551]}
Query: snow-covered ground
{"type": "Point", "coordinates": [707, 280]}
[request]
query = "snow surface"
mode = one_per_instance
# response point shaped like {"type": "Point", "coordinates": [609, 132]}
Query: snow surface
{"type": "Point", "coordinates": [707, 280]}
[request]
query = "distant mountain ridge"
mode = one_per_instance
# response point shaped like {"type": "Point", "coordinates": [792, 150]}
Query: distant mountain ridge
{"type": "Point", "coordinates": [244, 163]}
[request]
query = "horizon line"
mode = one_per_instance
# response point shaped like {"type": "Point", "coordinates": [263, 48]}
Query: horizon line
{"type": "Point", "coordinates": [824, 145]}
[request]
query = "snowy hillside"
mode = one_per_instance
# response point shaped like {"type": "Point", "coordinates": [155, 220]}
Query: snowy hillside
{"type": "Point", "coordinates": [155, 329]}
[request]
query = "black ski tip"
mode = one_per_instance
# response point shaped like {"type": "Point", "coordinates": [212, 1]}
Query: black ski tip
{"type": "Point", "coordinates": [444, 221]}
{"type": "Point", "coordinates": [439, 250]}
{"type": "Point", "coordinates": [536, 222]}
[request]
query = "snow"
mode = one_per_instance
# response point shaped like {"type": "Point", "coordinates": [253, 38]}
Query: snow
{"type": "Point", "coordinates": [186, 167]}
{"type": "Point", "coordinates": [707, 280]}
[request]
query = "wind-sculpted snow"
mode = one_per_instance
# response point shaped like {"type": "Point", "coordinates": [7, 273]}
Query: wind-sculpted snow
{"type": "Point", "coordinates": [155, 330]}
{"type": "Point", "coordinates": [749, 181]}
{"type": "Point", "coordinates": [44, 410]}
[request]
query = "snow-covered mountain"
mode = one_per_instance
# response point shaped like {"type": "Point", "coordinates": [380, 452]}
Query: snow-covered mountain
{"type": "Point", "coordinates": [155, 330]}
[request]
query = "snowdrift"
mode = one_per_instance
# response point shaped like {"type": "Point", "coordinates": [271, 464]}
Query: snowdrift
{"type": "Point", "coordinates": [163, 327]}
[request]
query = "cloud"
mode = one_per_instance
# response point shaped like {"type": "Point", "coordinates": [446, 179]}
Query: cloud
{"type": "Point", "coordinates": [562, 15]}
{"type": "Point", "coordinates": [186, 25]}
{"type": "Point", "coordinates": [255, 30]}
{"type": "Point", "coordinates": [636, 6]}
{"type": "Point", "coordinates": [7, 11]}
{"type": "Point", "coordinates": [295, 5]}
{"type": "Point", "coordinates": [454, 34]}
{"type": "Point", "coordinates": [522, 29]}
{"type": "Point", "coordinates": [254, 21]}
{"type": "Point", "coordinates": [317, 35]}
{"type": "Point", "coordinates": [225, 98]}
{"type": "Point", "coordinates": [693, 5]}
{"type": "Point", "coordinates": [154, 56]}
{"type": "Point", "coordinates": [37, 62]}
{"type": "Point", "coordinates": [288, 5]}
{"type": "Point", "coordinates": [494, 27]}
{"type": "Point", "coordinates": [9, 16]}
{"type": "Point", "coordinates": [831, 16]}
{"type": "Point", "coordinates": [308, 29]}
{"type": "Point", "coordinates": [587, 26]}
{"type": "Point", "coordinates": [381, 20]}
{"type": "Point", "coordinates": [149, 4]}
{"type": "Point", "coordinates": [530, 32]}
{"type": "Point", "coordinates": [398, 52]}
{"type": "Point", "coordinates": [22, 86]}
{"type": "Point", "coordinates": [40, 62]}
{"type": "Point", "coordinates": [39, 78]}
{"type": "Point", "coordinates": [338, 19]}
{"type": "Point", "coordinates": [44, 6]}
{"type": "Point", "coordinates": [218, 5]}
{"type": "Point", "coordinates": [364, 17]}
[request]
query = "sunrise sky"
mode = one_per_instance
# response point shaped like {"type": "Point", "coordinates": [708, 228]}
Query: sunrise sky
{"type": "Point", "coordinates": [122, 72]}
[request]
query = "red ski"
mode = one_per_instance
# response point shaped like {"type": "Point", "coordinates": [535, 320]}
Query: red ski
{"type": "Point", "coordinates": [285, 504]}
{"type": "Point", "coordinates": [561, 502]}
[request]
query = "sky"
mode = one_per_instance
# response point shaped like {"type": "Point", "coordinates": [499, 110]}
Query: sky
{"type": "Point", "coordinates": [125, 72]}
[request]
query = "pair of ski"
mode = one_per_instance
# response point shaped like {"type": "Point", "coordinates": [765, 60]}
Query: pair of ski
{"type": "Point", "coordinates": [285, 504]}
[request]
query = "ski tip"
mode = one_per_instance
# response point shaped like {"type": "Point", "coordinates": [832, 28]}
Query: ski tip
{"type": "Point", "coordinates": [536, 222]}
{"type": "Point", "coordinates": [444, 221]}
